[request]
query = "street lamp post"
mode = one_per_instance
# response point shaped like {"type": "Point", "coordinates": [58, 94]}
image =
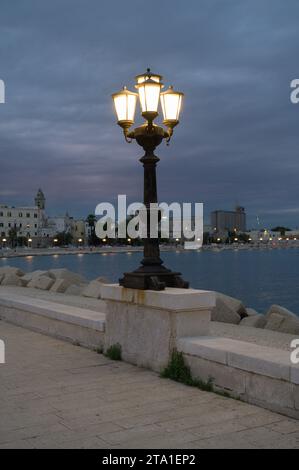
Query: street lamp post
{"type": "Point", "coordinates": [151, 274]}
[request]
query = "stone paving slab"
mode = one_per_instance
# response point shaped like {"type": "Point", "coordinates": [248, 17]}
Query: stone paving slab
{"type": "Point", "coordinates": [57, 395]}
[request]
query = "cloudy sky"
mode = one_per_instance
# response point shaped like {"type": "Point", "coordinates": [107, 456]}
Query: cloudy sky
{"type": "Point", "coordinates": [233, 59]}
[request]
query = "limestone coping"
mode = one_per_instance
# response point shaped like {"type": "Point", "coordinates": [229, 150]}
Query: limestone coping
{"type": "Point", "coordinates": [263, 360]}
{"type": "Point", "coordinates": [171, 299]}
{"type": "Point", "coordinates": [67, 313]}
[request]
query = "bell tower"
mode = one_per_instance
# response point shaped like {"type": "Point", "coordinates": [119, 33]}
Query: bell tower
{"type": "Point", "coordinates": [40, 200]}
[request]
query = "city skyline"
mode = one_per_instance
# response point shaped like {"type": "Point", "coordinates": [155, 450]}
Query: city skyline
{"type": "Point", "coordinates": [238, 138]}
{"type": "Point", "coordinates": [65, 212]}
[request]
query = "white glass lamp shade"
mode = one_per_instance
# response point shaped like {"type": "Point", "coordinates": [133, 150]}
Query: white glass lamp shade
{"type": "Point", "coordinates": [149, 87]}
{"type": "Point", "coordinates": [149, 94]}
{"type": "Point", "coordinates": [171, 102]}
{"type": "Point", "coordinates": [125, 105]}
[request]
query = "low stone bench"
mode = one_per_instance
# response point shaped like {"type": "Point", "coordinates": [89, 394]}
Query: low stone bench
{"type": "Point", "coordinates": [74, 324]}
{"type": "Point", "coordinates": [261, 375]}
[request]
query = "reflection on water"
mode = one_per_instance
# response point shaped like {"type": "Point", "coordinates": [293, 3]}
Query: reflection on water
{"type": "Point", "coordinates": [258, 277]}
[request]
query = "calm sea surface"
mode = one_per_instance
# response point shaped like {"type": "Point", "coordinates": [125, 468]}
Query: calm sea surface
{"type": "Point", "coordinates": [258, 277]}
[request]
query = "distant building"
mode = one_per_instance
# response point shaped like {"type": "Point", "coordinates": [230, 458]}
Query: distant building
{"type": "Point", "coordinates": [77, 228]}
{"type": "Point", "coordinates": [32, 223]}
{"type": "Point", "coordinates": [40, 200]}
{"type": "Point", "coordinates": [27, 221]}
{"type": "Point", "coordinates": [61, 223]}
{"type": "Point", "coordinates": [79, 231]}
{"type": "Point", "coordinates": [229, 221]}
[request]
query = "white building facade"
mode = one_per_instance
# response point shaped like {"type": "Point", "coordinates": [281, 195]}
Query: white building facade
{"type": "Point", "coordinates": [27, 221]}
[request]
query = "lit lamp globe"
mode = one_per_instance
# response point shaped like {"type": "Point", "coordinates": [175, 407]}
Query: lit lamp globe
{"type": "Point", "coordinates": [149, 87]}
{"type": "Point", "coordinates": [125, 105]}
{"type": "Point", "coordinates": [171, 102]}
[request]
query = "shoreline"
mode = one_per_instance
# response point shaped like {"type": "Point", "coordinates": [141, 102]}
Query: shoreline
{"type": "Point", "coordinates": [137, 249]}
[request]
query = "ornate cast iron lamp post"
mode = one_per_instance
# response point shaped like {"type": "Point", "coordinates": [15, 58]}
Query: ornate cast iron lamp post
{"type": "Point", "coordinates": [151, 274]}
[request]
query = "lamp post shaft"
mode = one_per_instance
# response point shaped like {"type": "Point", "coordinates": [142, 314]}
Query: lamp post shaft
{"type": "Point", "coordinates": [151, 249]}
{"type": "Point", "coordinates": [151, 274]}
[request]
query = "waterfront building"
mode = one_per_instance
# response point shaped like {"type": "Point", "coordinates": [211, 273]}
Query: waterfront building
{"type": "Point", "coordinates": [80, 231]}
{"type": "Point", "coordinates": [229, 221]}
{"type": "Point", "coordinates": [264, 236]}
{"type": "Point", "coordinates": [61, 223]}
{"type": "Point", "coordinates": [24, 221]}
{"type": "Point", "coordinates": [32, 224]}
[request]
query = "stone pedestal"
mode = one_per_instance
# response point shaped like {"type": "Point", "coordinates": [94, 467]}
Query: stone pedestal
{"type": "Point", "coordinates": [147, 324]}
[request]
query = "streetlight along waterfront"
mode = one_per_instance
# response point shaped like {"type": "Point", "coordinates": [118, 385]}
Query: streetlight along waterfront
{"type": "Point", "coordinates": [151, 274]}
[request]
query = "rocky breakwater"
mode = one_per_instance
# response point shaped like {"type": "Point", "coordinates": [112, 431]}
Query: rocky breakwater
{"type": "Point", "coordinates": [60, 281]}
{"type": "Point", "coordinates": [233, 311]}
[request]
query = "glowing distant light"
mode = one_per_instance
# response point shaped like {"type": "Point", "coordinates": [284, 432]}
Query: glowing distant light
{"type": "Point", "coordinates": [295, 238]}
{"type": "Point", "coordinates": [104, 240]}
{"type": "Point", "coordinates": [218, 239]}
{"type": "Point", "coordinates": [235, 239]}
{"type": "Point", "coordinates": [280, 238]}
{"type": "Point", "coordinates": [80, 240]}
{"type": "Point", "coordinates": [129, 239]}
{"type": "Point", "coordinates": [261, 239]}
{"type": "Point", "coordinates": [30, 240]}
{"type": "Point", "coordinates": [271, 239]}
{"type": "Point", "coordinates": [287, 239]}
{"type": "Point", "coordinates": [177, 240]}
{"type": "Point", "coordinates": [249, 239]}
{"type": "Point", "coordinates": [4, 240]}
{"type": "Point", "coordinates": [55, 240]}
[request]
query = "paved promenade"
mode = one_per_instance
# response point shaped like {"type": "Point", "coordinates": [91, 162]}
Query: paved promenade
{"type": "Point", "coordinates": [56, 395]}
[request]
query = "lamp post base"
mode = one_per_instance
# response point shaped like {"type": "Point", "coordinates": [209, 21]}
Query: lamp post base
{"type": "Point", "coordinates": [155, 279]}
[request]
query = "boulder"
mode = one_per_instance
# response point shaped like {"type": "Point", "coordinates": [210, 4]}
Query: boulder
{"type": "Point", "coordinates": [60, 285]}
{"type": "Point", "coordinates": [227, 309]}
{"type": "Point", "coordinates": [93, 289]}
{"type": "Point", "coordinates": [251, 312]}
{"type": "Point", "coordinates": [24, 281]}
{"type": "Point", "coordinates": [274, 321]}
{"type": "Point", "coordinates": [102, 279]}
{"type": "Point", "coordinates": [35, 274]}
{"type": "Point", "coordinates": [72, 278]}
{"type": "Point", "coordinates": [290, 326]}
{"type": "Point", "coordinates": [284, 312]}
{"type": "Point", "coordinates": [257, 321]}
{"type": "Point", "coordinates": [11, 280]}
{"type": "Point", "coordinates": [75, 289]}
{"type": "Point", "coordinates": [42, 282]}
{"type": "Point", "coordinates": [11, 270]}
{"type": "Point", "coordinates": [280, 319]}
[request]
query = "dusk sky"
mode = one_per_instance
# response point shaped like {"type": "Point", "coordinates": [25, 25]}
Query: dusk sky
{"type": "Point", "coordinates": [238, 138]}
